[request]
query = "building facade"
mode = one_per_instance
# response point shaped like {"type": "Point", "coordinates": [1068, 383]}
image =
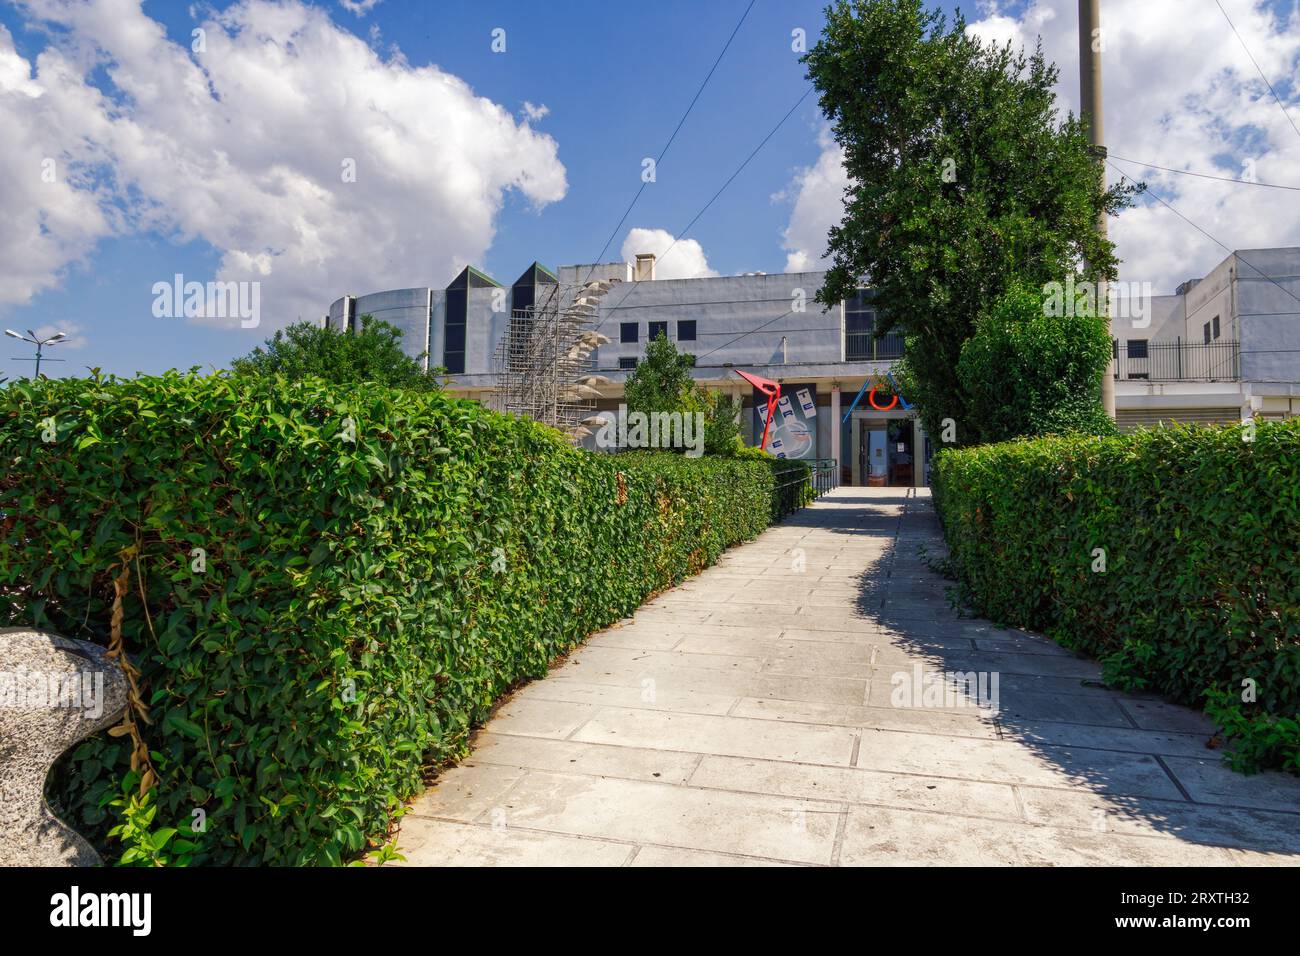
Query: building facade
{"type": "Point", "coordinates": [1221, 349]}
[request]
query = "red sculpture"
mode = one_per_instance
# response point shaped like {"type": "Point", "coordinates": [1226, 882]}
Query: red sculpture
{"type": "Point", "coordinates": [773, 392]}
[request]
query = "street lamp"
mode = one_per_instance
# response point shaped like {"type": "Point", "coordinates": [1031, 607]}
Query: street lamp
{"type": "Point", "coordinates": [40, 343]}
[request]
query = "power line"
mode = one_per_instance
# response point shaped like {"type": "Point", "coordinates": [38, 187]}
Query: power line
{"type": "Point", "coordinates": [744, 334]}
{"type": "Point", "coordinates": [1153, 194]}
{"type": "Point", "coordinates": [680, 235]}
{"type": "Point", "coordinates": [1188, 172]}
{"type": "Point", "coordinates": [1227, 249]}
{"type": "Point", "coordinates": [1280, 104]}
{"type": "Point", "coordinates": [779, 124]}
{"type": "Point", "coordinates": [664, 152]}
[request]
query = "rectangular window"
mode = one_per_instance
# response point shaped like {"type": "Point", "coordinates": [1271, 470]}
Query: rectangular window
{"type": "Point", "coordinates": [686, 330]}
{"type": "Point", "coordinates": [1137, 348]}
{"type": "Point", "coordinates": [627, 332]}
{"type": "Point", "coordinates": [1207, 333]}
{"type": "Point", "coordinates": [627, 361]}
{"type": "Point", "coordinates": [1216, 326]}
{"type": "Point", "coordinates": [859, 334]}
{"type": "Point", "coordinates": [453, 346]}
{"type": "Point", "coordinates": [656, 329]}
{"type": "Point", "coordinates": [455, 337]}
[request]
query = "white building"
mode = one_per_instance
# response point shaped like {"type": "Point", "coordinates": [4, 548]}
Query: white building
{"type": "Point", "coordinates": [1220, 349]}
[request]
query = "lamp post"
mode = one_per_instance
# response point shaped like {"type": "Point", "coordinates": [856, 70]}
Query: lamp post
{"type": "Point", "coordinates": [40, 344]}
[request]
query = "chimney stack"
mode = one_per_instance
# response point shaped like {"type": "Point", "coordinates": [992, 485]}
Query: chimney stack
{"type": "Point", "coordinates": [645, 267]}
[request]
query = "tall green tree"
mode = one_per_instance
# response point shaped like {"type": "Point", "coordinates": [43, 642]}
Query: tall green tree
{"type": "Point", "coordinates": [963, 181]}
{"type": "Point", "coordinates": [373, 353]}
{"type": "Point", "coordinates": [662, 382]}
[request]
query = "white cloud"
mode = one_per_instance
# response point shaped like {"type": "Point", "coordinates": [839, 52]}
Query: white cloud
{"type": "Point", "coordinates": [358, 7]}
{"type": "Point", "coordinates": [682, 259]}
{"type": "Point", "coordinates": [75, 332]}
{"type": "Point", "coordinates": [246, 145]}
{"type": "Point", "coordinates": [533, 113]}
{"type": "Point", "coordinates": [1180, 92]}
{"type": "Point", "coordinates": [52, 208]}
{"type": "Point", "coordinates": [818, 192]}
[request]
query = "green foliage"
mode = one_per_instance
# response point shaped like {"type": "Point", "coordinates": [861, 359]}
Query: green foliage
{"type": "Point", "coordinates": [963, 180]}
{"type": "Point", "coordinates": [145, 845]}
{"type": "Point", "coordinates": [721, 420]}
{"type": "Point", "coordinates": [662, 383]}
{"type": "Point", "coordinates": [378, 566]}
{"type": "Point", "coordinates": [1199, 598]}
{"type": "Point", "coordinates": [662, 380]}
{"type": "Point", "coordinates": [1259, 739]}
{"type": "Point", "coordinates": [371, 354]}
{"type": "Point", "coordinates": [1027, 373]}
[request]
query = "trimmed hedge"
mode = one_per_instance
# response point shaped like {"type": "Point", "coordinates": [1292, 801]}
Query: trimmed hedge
{"type": "Point", "coordinates": [1200, 596]}
{"type": "Point", "coordinates": [363, 602]}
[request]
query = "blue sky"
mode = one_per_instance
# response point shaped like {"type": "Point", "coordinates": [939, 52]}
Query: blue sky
{"type": "Point", "coordinates": [151, 201]}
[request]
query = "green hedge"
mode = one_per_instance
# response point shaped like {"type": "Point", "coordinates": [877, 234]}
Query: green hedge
{"type": "Point", "coordinates": [363, 602]}
{"type": "Point", "coordinates": [1200, 595]}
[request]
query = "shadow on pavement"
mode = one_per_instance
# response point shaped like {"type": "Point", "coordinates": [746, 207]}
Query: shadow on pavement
{"type": "Point", "coordinates": [1135, 764]}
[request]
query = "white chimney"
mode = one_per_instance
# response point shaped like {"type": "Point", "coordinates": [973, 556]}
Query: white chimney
{"type": "Point", "coordinates": [645, 267]}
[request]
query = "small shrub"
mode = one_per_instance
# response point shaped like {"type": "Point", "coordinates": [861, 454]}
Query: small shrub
{"type": "Point", "coordinates": [1028, 373]}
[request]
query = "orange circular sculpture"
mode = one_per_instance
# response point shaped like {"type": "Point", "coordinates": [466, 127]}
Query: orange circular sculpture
{"type": "Point", "coordinates": [871, 398]}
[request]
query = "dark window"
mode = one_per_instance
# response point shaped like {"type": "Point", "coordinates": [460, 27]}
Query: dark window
{"type": "Point", "coordinates": [859, 333]}
{"type": "Point", "coordinates": [1137, 348]}
{"type": "Point", "coordinates": [656, 329]}
{"type": "Point", "coordinates": [864, 321]}
{"type": "Point", "coordinates": [627, 361]}
{"type": "Point", "coordinates": [1216, 326]}
{"type": "Point", "coordinates": [1207, 333]}
{"type": "Point", "coordinates": [453, 348]}
{"type": "Point", "coordinates": [627, 332]}
{"type": "Point", "coordinates": [686, 330]}
{"type": "Point", "coordinates": [455, 338]}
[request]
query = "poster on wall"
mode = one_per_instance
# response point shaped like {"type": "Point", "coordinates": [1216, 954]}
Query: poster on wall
{"type": "Point", "coordinates": [794, 425]}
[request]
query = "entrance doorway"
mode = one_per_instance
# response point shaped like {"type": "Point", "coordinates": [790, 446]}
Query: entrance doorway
{"type": "Point", "coordinates": [902, 467]}
{"type": "Point", "coordinates": [886, 452]}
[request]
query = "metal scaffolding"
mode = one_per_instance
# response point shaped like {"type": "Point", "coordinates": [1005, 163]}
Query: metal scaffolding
{"type": "Point", "coordinates": [543, 365]}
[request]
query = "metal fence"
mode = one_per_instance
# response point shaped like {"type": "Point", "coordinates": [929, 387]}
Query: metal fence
{"type": "Point", "coordinates": [866, 347]}
{"type": "Point", "coordinates": [805, 487]}
{"type": "Point", "coordinates": [1178, 361]}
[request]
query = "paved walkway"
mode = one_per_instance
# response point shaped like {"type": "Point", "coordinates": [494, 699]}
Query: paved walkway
{"type": "Point", "coordinates": [760, 714]}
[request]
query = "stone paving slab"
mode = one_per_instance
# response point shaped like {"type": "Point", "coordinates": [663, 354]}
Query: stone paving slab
{"type": "Point", "coordinates": [773, 711]}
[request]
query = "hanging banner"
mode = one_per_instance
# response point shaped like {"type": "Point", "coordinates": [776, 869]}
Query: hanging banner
{"type": "Point", "coordinates": [793, 432]}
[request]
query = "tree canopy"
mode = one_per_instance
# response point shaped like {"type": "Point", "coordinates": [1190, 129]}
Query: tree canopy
{"type": "Point", "coordinates": [662, 382]}
{"type": "Point", "coordinates": [373, 353]}
{"type": "Point", "coordinates": [963, 181]}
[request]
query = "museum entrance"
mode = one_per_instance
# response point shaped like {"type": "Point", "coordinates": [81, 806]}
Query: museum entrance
{"type": "Point", "coordinates": [886, 449]}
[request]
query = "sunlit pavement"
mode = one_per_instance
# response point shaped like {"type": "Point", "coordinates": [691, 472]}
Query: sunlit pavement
{"type": "Point", "coordinates": [790, 706]}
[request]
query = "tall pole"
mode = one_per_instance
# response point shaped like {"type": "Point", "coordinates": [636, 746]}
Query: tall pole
{"type": "Point", "coordinates": [1090, 107]}
{"type": "Point", "coordinates": [38, 360]}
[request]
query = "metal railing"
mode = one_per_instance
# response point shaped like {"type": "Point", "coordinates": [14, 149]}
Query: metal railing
{"type": "Point", "coordinates": [1179, 362]}
{"type": "Point", "coordinates": [866, 347]}
{"type": "Point", "coordinates": [805, 487]}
